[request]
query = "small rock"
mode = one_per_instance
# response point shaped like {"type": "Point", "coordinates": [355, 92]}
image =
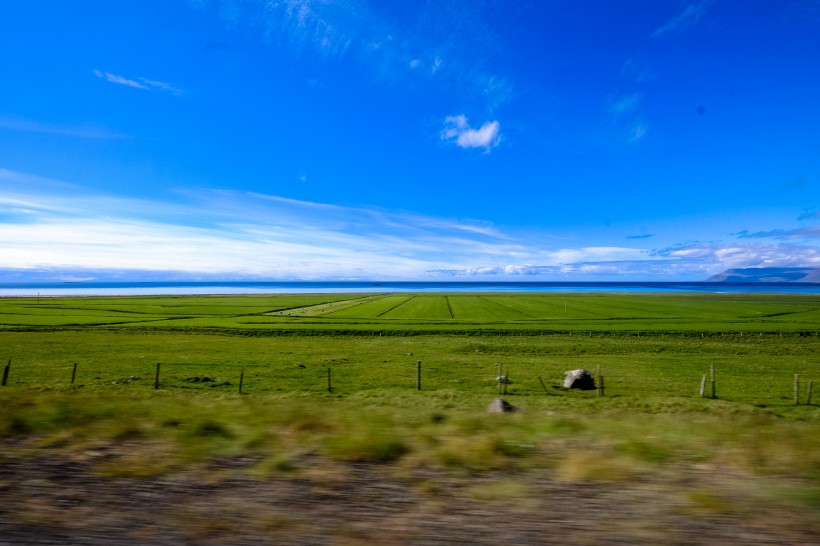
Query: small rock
{"type": "Point", "coordinates": [501, 406]}
{"type": "Point", "coordinates": [579, 379]}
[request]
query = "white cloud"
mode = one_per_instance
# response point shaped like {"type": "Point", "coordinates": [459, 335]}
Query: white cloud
{"type": "Point", "coordinates": [79, 131]}
{"type": "Point", "coordinates": [693, 261]}
{"type": "Point", "coordinates": [162, 86]}
{"type": "Point", "coordinates": [690, 16]}
{"type": "Point", "coordinates": [458, 130]}
{"type": "Point", "coordinates": [113, 78]}
{"type": "Point", "coordinates": [143, 83]}
{"type": "Point", "coordinates": [717, 257]}
{"type": "Point", "coordinates": [53, 225]}
{"type": "Point", "coordinates": [47, 224]}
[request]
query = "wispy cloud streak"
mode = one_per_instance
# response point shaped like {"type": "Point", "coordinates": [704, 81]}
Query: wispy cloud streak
{"type": "Point", "coordinates": [690, 16]}
{"type": "Point", "coordinates": [78, 131]}
{"type": "Point", "coordinates": [140, 83]}
{"type": "Point", "coordinates": [113, 78]}
{"type": "Point", "coordinates": [812, 232]}
{"type": "Point", "coordinates": [446, 44]}
{"type": "Point", "coordinates": [49, 225]}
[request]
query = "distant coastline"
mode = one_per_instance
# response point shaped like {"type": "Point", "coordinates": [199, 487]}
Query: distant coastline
{"type": "Point", "coordinates": [89, 288]}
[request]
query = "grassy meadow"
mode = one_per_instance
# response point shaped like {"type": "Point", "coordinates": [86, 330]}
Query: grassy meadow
{"type": "Point", "coordinates": [423, 313]}
{"type": "Point", "coordinates": [650, 426]}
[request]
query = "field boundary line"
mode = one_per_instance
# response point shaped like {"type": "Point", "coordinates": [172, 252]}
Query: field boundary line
{"type": "Point", "coordinates": [395, 306]}
{"type": "Point", "coordinates": [508, 307]}
{"type": "Point", "coordinates": [449, 307]}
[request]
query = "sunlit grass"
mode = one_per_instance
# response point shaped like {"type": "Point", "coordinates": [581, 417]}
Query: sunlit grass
{"type": "Point", "coordinates": [420, 313]}
{"type": "Point", "coordinates": [316, 405]}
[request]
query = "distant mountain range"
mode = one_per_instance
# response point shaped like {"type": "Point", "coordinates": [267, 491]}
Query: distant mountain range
{"type": "Point", "coordinates": [768, 274]}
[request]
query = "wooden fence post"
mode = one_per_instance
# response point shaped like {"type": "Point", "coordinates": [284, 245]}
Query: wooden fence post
{"type": "Point", "coordinates": [6, 373]}
{"type": "Point", "coordinates": [329, 384]}
{"type": "Point", "coordinates": [703, 385]}
{"type": "Point", "coordinates": [712, 375]}
{"type": "Point", "coordinates": [241, 379]}
{"type": "Point", "coordinates": [796, 389]}
{"type": "Point", "coordinates": [156, 379]}
{"type": "Point", "coordinates": [506, 377]}
{"type": "Point", "coordinates": [73, 373]}
{"type": "Point", "coordinates": [598, 380]}
{"type": "Point", "coordinates": [418, 375]}
{"type": "Point", "coordinates": [808, 393]}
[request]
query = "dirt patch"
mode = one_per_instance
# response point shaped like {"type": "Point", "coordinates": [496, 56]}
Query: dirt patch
{"type": "Point", "coordinates": [59, 500]}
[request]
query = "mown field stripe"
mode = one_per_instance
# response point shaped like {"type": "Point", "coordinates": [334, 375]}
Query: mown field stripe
{"type": "Point", "coordinates": [396, 306]}
{"type": "Point", "coordinates": [494, 302]}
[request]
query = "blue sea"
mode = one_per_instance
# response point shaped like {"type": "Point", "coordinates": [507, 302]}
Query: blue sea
{"type": "Point", "coordinates": [295, 287]}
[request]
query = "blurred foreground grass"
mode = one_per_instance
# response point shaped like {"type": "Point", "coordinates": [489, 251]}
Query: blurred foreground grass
{"type": "Point", "coordinates": [148, 435]}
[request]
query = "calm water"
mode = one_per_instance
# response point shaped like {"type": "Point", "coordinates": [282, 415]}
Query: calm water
{"type": "Point", "coordinates": [174, 288]}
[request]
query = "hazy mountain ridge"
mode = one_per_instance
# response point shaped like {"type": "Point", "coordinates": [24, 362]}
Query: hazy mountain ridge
{"type": "Point", "coordinates": [768, 274]}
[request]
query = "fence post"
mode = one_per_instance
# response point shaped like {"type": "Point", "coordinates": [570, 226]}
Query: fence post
{"type": "Point", "coordinates": [808, 393]}
{"type": "Point", "coordinates": [796, 389]}
{"type": "Point", "coordinates": [156, 379]}
{"type": "Point", "coordinates": [73, 373]}
{"type": "Point", "coordinates": [703, 385]}
{"type": "Point", "coordinates": [329, 384]}
{"type": "Point", "coordinates": [6, 373]}
{"type": "Point", "coordinates": [418, 375]}
{"type": "Point", "coordinates": [241, 379]}
{"type": "Point", "coordinates": [712, 374]}
{"type": "Point", "coordinates": [598, 379]}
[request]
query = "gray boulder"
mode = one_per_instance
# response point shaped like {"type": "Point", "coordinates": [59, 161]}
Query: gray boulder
{"type": "Point", "coordinates": [579, 379]}
{"type": "Point", "coordinates": [501, 406]}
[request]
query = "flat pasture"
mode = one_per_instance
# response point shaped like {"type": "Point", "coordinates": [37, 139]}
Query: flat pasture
{"type": "Point", "coordinates": [373, 308]}
{"type": "Point", "coordinates": [287, 408]}
{"type": "Point", "coordinates": [491, 309]}
{"type": "Point", "coordinates": [654, 345]}
{"type": "Point", "coordinates": [426, 313]}
{"type": "Point", "coordinates": [424, 308]}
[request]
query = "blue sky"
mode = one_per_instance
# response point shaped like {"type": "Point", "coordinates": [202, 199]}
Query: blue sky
{"type": "Point", "coordinates": [451, 139]}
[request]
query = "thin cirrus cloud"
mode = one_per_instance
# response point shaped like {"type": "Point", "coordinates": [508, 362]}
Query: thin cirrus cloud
{"type": "Point", "coordinates": [690, 16]}
{"type": "Point", "coordinates": [811, 232]}
{"type": "Point", "coordinates": [49, 225]}
{"type": "Point", "coordinates": [625, 105]}
{"type": "Point", "coordinates": [44, 224]}
{"type": "Point", "coordinates": [720, 256]}
{"type": "Point", "coordinates": [432, 42]}
{"type": "Point", "coordinates": [458, 131]}
{"type": "Point", "coordinates": [77, 131]}
{"type": "Point", "coordinates": [140, 83]}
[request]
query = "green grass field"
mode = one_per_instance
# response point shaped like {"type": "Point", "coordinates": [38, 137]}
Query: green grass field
{"type": "Point", "coordinates": [657, 345]}
{"type": "Point", "coordinates": [426, 313]}
{"type": "Point", "coordinates": [652, 349]}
